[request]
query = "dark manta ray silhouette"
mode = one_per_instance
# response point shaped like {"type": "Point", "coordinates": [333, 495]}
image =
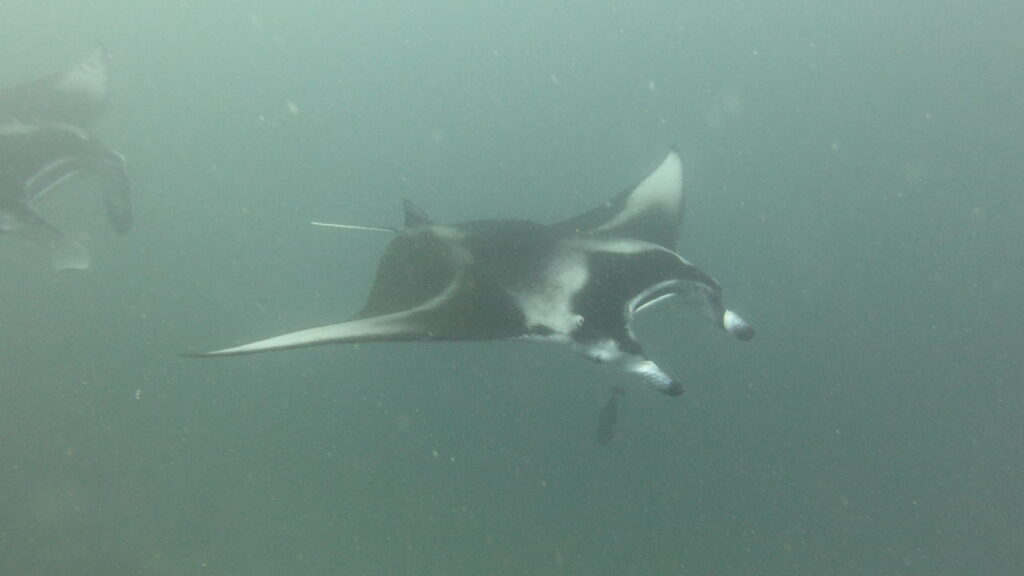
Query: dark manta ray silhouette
{"type": "Point", "coordinates": [578, 281]}
{"type": "Point", "coordinates": [44, 142]}
{"type": "Point", "coordinates": [608, 417]}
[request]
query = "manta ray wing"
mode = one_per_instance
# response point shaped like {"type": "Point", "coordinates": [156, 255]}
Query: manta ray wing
{"type": "Point", "coordinates": [449, 316]}
{"type": "Point", "coordinates": [433, 283]}
{"type": "Point", "coordinates": [406, 325]}
{"type": "Point", "coordinates": [42, 157]}
{"type": "Point", "coordinates": [45, 156]}
{"type": "Point", "coordinates": [65, 253]}
{"type": "Point", "coordinates": [74, 96]}
{"type": "Point", "coordinates": [417, 266]}
{"type": "Point", "coordinates": [652, 210]}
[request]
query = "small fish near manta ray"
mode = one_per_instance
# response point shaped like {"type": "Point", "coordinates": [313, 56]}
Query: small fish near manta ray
{"type": "Point", "coordinates": [44, 142]}
{"type": "Point", "coordinates": [579, 281]}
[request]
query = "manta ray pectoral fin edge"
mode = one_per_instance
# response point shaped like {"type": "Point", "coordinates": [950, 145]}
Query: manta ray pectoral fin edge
{"type": "Point", "coordinates": [401, 326]}
{"type": "Point", "coordinates": [118, 204]}
{"type": "Point", "coordinates": [65, 253]}
{"type": "Point", "coordinates": [353, 227]}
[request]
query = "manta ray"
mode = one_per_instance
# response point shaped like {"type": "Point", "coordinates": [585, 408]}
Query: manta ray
{"type": "Point", "coordinates": [45, 142]}
{"type": "Point", "coordinates": [578, 282]}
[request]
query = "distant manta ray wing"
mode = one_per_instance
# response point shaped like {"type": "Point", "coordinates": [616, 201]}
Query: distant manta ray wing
{"type": "Point", "coordinates": [88, 158]}
{"type": "Point", "coordinates": [45, 142]}
{"type": "Point", "coordinates": [40, 157]}
{"type": "Point", "coordinates": [76, 95]}
{"type": "Point", "coordinates": [651, 211]}
{"type": "Point", "coordinates": [65, 253]}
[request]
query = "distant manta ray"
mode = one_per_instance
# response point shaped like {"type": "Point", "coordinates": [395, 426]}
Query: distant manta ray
{"type": "Point", "coordinates": [44, 142]}
{"type": "Point", "coordinates": [579, 281]}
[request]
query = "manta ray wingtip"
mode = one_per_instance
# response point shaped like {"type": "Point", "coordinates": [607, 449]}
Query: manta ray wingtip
{"type": "Point", "coordinates": [353, 227]}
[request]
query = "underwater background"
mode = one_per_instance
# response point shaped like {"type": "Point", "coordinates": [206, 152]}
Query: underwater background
{"type": "Point", "coordinates": [854, 181]}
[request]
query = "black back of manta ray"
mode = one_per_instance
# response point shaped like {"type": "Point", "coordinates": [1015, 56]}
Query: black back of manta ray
{"type": "Point", "coordinates": [468, 280]}
{"type": "Point", "coordinates": [417, 267]}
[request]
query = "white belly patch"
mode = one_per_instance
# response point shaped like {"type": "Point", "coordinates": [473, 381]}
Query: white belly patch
{"type": "Point", "coordinates": [548, 304]}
